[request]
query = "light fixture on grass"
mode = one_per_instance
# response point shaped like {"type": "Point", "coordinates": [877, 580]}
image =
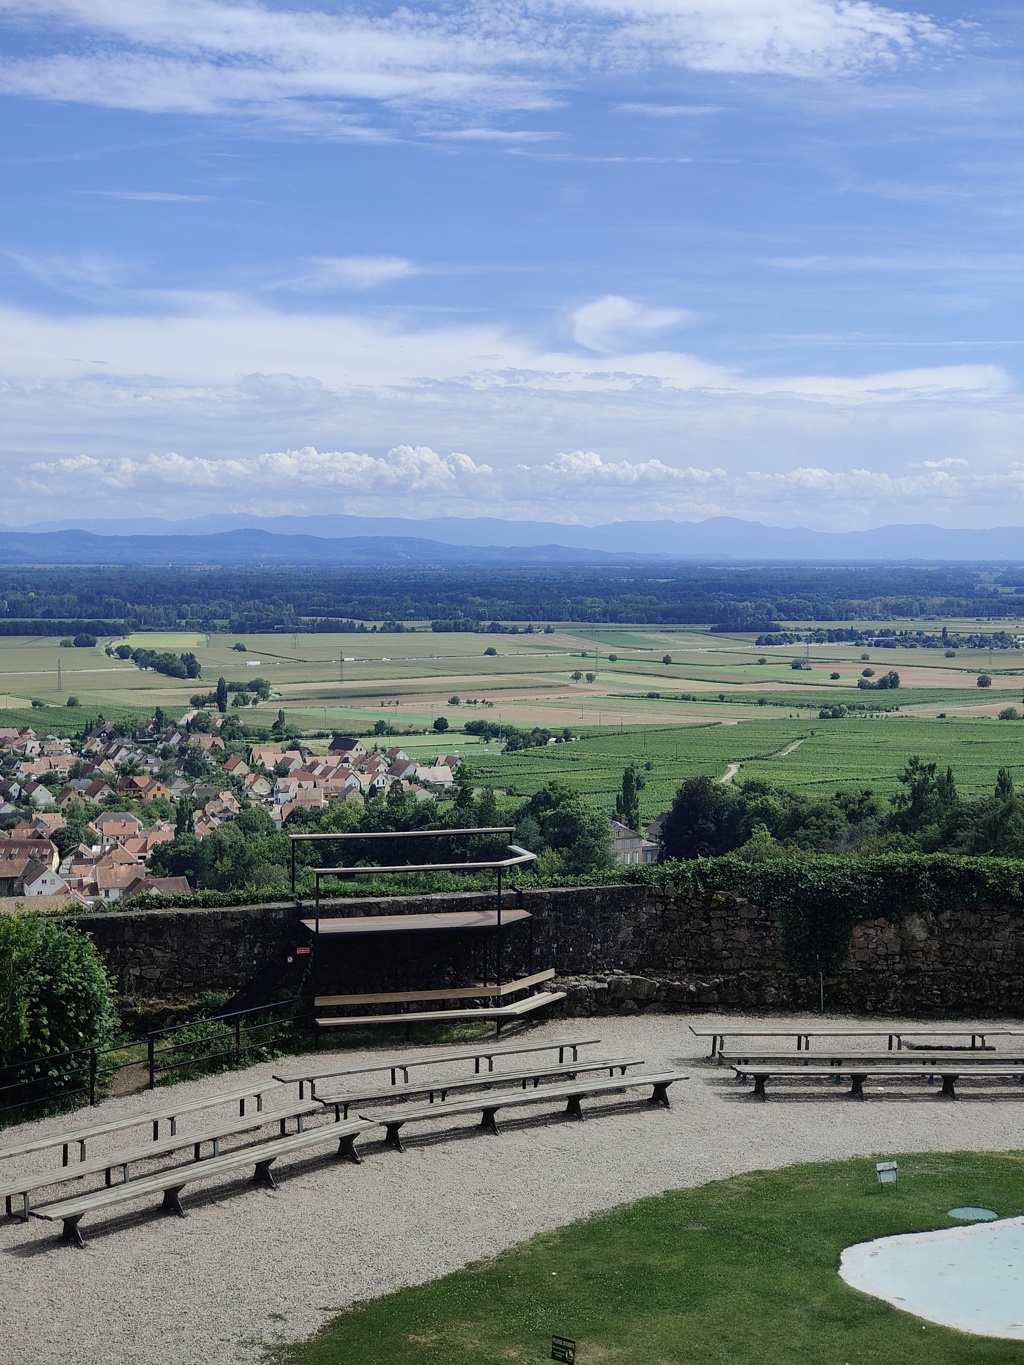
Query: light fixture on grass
{"type": "Point", "coordinates": [886, 1172]}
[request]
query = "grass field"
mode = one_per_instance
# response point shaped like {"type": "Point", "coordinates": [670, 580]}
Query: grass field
{"type": "Point", "coordinates": [643, 708]}
{"type": "Point", "coordinates": [850, 753]}
{"type": "Point", "coordinates": [739, 1272]}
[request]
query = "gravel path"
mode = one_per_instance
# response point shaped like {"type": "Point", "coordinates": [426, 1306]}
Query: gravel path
{"type": "Point", "coordinates": [251, 1267]}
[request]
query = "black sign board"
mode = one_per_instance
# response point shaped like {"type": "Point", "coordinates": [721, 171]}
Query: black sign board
{"type": "Point", "coordinates": [563, 1349]}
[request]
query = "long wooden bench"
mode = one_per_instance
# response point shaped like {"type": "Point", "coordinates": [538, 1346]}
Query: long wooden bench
{"type": "Point", "coordinates": [342, 1102]}
{"type": "Point", "coordinates": [170, 1112]}
{"type": "Point", "coordinates": [949, 1074]}
{"type": "Point", "coordinates": [516, 1010]}
{"type": "Point", "coordinates": [912, 1061]}
{"type": "Point", "coordinates": [476, 992]}
{"type": "Point", "coordinates": [477, 1053]}
{"type": "Point", "coordinates": [802, 1037]}
{"type": "Point", "coordinates": [23, 1186]}
{"type": "Point", "coordinates": [488, 1105]}
{"type": "Point", "coordinates": [171, 1182]}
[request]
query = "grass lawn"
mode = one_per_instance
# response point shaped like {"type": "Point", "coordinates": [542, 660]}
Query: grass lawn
{"type": "Point", "coordinates": [741, 1272]}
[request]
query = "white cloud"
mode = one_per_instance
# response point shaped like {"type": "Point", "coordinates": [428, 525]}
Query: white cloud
{"type": "Point", "coordinates": [352, 272]}
{"type": "Point", "coordinates": [948, 463]}
{"type": "Point", "coordinates": [306, 66]}
{"type": "Point", "coordinates": [667, 110]}
{"type": "Point", "coordinates": [606, 323]}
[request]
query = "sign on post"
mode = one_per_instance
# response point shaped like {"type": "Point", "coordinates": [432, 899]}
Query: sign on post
{"type": "Point", "coordinates": [563, 1349]}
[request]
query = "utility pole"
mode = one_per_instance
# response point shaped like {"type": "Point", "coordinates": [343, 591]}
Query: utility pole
{"type": "Point", "coordinates": [59, 685]}
{"type": "Point", "coordinates": [341, 666]}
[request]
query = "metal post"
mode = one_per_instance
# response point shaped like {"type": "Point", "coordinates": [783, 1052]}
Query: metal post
{"type": "Point", "coordinates": [238, 1037]}
{"type": "Point", "coordinates": [151, 1050]}
{"type": "Point", "coordinates": [293, 866]}
{"type": "Point", "coordinates": [92, 1075]}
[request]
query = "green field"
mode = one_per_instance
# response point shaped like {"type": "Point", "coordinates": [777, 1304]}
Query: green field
{"type": "Point", "coordinates": [851, 753]}
{"type": "Point", "coordinates": [739, 1272]}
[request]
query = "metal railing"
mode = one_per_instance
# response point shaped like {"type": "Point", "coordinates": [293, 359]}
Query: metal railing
{"type": "Point", "coordinates": [67, 1080]}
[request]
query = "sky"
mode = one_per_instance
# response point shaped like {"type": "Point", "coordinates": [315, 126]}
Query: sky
{"type": "Point", "coordinates": [562, 260]}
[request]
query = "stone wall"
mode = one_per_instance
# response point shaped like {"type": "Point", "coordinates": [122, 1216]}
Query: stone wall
{"type": "Point", "coordinates": [625, 948]}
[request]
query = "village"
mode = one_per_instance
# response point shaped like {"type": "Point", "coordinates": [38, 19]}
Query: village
{"type": "Point", "coordinates": [83, 817]}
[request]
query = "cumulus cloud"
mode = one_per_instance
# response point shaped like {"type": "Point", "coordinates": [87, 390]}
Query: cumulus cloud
{"type": "Point", "coordinates": [609, 323]}
{"type": "Point", "coordinates": [306, 66]}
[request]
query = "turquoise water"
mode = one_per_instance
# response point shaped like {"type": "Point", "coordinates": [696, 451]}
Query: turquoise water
{"type": "Point", "coordinates": [970, 1278]}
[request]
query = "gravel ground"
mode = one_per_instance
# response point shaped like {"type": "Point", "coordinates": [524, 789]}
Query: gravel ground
{"type": "Point", "coordinates": [252, 1267]}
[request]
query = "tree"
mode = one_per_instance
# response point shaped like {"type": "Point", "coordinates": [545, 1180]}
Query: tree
{"type": "Point", "coordinates": [867, 673]}
{"type": "Point", "coordinates": [627, 803]}
{"type": "Point", "coordinates": [441, 724]}
{"type": "Point", "coordinates": [454, 701]}
{"type": "Point", "coordinates": [183, 817]}
{"type": "Point", "coordinates": [73, 701]}
{"type": "Point", "coordinates": [561, 824]}
{"type": "Point", "coordinates": [54, 991]}
{"type": "Point", "coordinates": [222, 695]}
{"type": "Point", "coordinates": [576, 676]}
{"type": "Point", "coordinates": [239, 647]}
{"type": "Point", "coordinates": [591, 677]}
{"type": "Point", "coordinates": [84, 641]}
{"type": "Point", "coordinates": [701, 822]}
{"type": "Point", "coordinates": [490, 652]}
{"type": "Point", "coordinates": [927, 799]}
{"type": "Point", "coordinates": [984, 680]}
{"type": "Point", "coordinates": [666, 658]}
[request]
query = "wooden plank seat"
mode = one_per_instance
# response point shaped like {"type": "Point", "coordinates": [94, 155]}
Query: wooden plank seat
{"type": "Point", "coordinates": [170, 1183]}
{"type": "Point", "coordinates": [342, 1102]}
{"type": "Point", "coordinates": [514, 1011]}
{"type": "Point", "coordinates": [950, 1074]}
{"type": "Point", "coordinates": [488, 1105]}
{"type": "Point", "coordinates": [171, 1113]}
{"type": "Point", "coordinates": [912, 1061]}
{"type": "Point", "coordinates": [475, 992]}
{"type": "Point", "coordinates": [802, 1037]}
{"type": "Point", "coordinates": [476, 1053]}
{"type": "Point", "coordinates": [22, 1187]}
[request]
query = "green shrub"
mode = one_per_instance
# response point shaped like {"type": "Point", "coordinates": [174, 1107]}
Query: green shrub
{"type": "Point", "coordinates": [54, 992]}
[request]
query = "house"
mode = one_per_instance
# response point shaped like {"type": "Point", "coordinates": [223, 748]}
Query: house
{"type": "Point", "coordinates": [236, 767]}
{"type": "Point", "coordinates": [631, 847]}
{"type": "Point", "coordinates": [114, 826]}
{"type": "Point", "coordinates": [112, 882]}
{"type": "Point", "coordinates": [37, 847]}
{"type": "Point", "coordinates": [161, 886]}
{"type": "Point", "coordinates": [38, 794]}
{"type": "Point", "coordinates": [41, 880]}
{"type": "Point", "coordinates": [343, 746]}
{"type": "Point", "coordinates": [654, 829]}
{"type": "Point", "coordinates": [438, 775]}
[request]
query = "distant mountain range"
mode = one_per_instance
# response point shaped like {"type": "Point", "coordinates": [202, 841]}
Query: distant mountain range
{"type": "Point", "coordinates": [238, 540]}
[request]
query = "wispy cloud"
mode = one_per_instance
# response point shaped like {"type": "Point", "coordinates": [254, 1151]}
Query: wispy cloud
{"type": "Point", "coordinates": [150, 196]}
{"type": "Point", "coordinates": [329, 273]}
{"type": "Point", "coordinates": [608, 323]}
{"type": "Point", "coordinates": [668, 110]}
{"type": "Point", "coordinates": [312, 68]}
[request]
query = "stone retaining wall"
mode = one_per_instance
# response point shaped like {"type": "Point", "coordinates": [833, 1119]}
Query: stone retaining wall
{"type": "Point", "coordinates": [620, 948]}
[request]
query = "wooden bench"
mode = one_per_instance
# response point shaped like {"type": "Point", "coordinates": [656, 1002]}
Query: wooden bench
{"type": "Point", "coordinates": [22, 1187]}
{"type": "Point", "coordinates": [803, 1037]}
{"type": "Point", "coordinates": [479, 1052]}
{"type": "Point", "coordinates": [428, 1089]}
{"type": "Point", "coordinates": [499, 1013]}
{"type": "Point", "coordinates": [949, 1074]}
{"type": "Point", "coordinates": [171, 1182]}
{"type": "Point", "coordinates": [488, 1105]}
{"type": "Point", "coordinates": [171, 1112]}
{"type": "Point", "coordinates": [912, 1061]}
{"type": "Point", "coordinates": [475, 992]}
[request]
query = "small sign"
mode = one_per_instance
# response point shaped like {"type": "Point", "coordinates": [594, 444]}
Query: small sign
{"type": "Point", "coordinates": [303, 951]}
{"type": "Point", "coordinates": [563, 1349]}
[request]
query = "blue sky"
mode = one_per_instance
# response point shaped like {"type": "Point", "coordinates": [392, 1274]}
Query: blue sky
{"type": "Point", "coordinates": [571, 261]}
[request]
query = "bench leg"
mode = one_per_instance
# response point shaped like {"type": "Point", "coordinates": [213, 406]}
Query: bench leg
{"type": "Point", "coordinates": [575, 1108]}
{"type": "Point", "coordinates": [24, 1215]}
{"type": "Point", "coordinates": [758, 1091]}
{"type": "Point", "coordinates": [948, 1091]}
{"type": "Point", "coordinates": [172, 1201]}
{"type": "Point", "coordinates": [347, 1150]}
{"type": "Point", "coordinates": [71, 1233]}
{"type": "Point", "coordinates": [659, 1095]}
{"type": "Point", "coordinates": [856, 1090]}
{"type": "Point", "coordinates": [392, 1137]}
{"type": "Point", "coordinates": [487, 1121]}
{"type": "Point", "coordinates": [264, 1176]}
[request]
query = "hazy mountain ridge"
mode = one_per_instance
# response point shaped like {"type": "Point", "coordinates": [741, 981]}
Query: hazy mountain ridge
{"type": "Point", "coordinates": [340, 539]}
